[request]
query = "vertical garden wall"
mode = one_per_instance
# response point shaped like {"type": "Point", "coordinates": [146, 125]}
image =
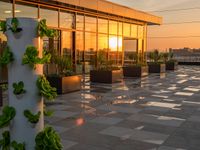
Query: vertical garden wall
{"type": "Point", "coordinates": [28, 87]}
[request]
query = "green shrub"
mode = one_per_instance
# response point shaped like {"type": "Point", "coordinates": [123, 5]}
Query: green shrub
{"type": "Point", "coordinates": [14, 27]}
{"type": "Point", "coordinates": [48, 139]}
{"type": "Point", "coordinates": [7, 115]}
{"type": "Point", "coordinates": [45, 88]}
{"type": "Point", "coordinates": [31, 117]}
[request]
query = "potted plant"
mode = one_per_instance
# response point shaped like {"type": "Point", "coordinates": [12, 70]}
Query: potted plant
{"type": "Point", "coordinates": [19, 90]}
{"type": "Point", "coordinates": [137, 68]}
{"type": "Point", "coordinates": [156, 64]}
{"type": "Point", "coordinates": [32, 118]}
{"type": "Point", "coordinates": [105, 71]}
{"type": "Point", "coordinates": [65, 80]}
{"type": "Point", "coordinates": [171, 63]}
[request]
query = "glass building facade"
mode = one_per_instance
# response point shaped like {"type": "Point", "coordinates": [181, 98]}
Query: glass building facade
{"type": "Point", "coordinates": [81, 34]}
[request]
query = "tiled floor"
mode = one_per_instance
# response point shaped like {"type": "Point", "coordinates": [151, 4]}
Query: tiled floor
{"type": "Point", "coordinates": [159, 112]}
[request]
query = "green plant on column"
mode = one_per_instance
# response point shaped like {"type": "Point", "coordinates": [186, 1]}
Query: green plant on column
{"type": "Point", "coordinates": [7, 57]}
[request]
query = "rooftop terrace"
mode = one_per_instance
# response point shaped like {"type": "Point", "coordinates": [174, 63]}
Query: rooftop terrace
{"type": "Point", "coordinates": [160, 112]}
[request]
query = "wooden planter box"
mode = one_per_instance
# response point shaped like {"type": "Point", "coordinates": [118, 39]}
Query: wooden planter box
{"type": "Point", "coordinates": [102, 76]}
{"type": "Point", "coordinates": [157, 68]}
{"type": "Point", "coordinates": [135, 71]}
{"type": "Point", "coordinates": [171, 65]}
{"type": "Point", "coordinates": [66, 84]}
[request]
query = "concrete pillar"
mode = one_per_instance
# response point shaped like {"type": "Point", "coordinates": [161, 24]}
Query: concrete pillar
{"type": "Point", "coordinates": [20, 129]}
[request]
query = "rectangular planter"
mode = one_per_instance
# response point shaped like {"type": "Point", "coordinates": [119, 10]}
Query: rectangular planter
{"type": "Point", "coordinates": [102, 76]}
{"type": "Point", "coordinates": [135, 71]}
{"type": "Point", "coordinates": [66, 84]}
{"type": "Point", "coordinates": [157, 68]}
{"type": "Point", "coordinates": [171, 65]}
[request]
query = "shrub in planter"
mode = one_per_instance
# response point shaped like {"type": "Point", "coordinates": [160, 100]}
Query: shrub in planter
{"type": "Point", "coordinates": [136, 68]}
{"type": "Point", "coordinates": [105, 72]}
{"type": "Point", "coordinates": [18, 146]}
{"type": "Point", "coordinates": [156, 64]}
{"type": "Point", "coordinates": [171, 63]}
{"type": "Point", "coordinates": [5, 141]}
{"type": "Point", "coordinates": [65, 80]}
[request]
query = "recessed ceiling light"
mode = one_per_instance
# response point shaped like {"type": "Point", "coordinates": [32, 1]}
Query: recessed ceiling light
{"type": "Point", "coordinates": [9, 11]}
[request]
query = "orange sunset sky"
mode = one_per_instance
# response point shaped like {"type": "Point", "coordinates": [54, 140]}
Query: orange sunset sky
{"type": "Point", "coordinates": [181, 22]}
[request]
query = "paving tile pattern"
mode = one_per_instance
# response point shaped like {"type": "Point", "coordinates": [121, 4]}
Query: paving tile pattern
{"type": "Point", "coordinates": [158, 112]}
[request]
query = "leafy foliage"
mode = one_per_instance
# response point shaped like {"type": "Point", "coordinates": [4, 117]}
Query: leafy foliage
{"type": "Point", "coordinates": [3, 26]}
{"type": "Point", "coordinates": [14, 27]}
{"type": "Point", "coordinates": [31, 57]}
{"type": "Point", "coordinates": [47, 113]}
{"type": "Point", "coordinates": [8, 114]}
{"type": "Point", "coordinates": [31, 117]}
{"type": "Point", "coordinates": [155, 56]}
{"type": "Point", "coordinates": [64, 65]}
{"type": "Point", "coordinates": [45, 88]}
{"type": "Point", "coordinates": [6, 57]}
{"type": "Point", "coordinates": [48, 139]}
{"type": "Point", "coordinates": [43, 30]}
{"type": "Point", "coordinates": [5, 142]}
{"type": "Point", "coordinates": [103, 63]}
{"type": "Point", "coordinates": [19, 88]}
{"type": "Point", "coordinates": [18, 146]}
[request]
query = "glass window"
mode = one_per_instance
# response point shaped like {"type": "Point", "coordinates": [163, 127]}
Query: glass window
{"type": "Point", "coordinates": [50, 15]}
{"type": "Point", "coordinates": [90, 51]}
{"type": "Point", "coordinates": [66, 43]}
{"type": "Point", "coordinates": [80, 22]}
{"type": "Point", "coordinates": [130, 50]}
{"type": "Point", "coordinates": [120, 50]}
{"type": "Point", "coordinates": [112, 27]}
{"type": "Point", "coordinates": [26, 11]}
{"type": "Point", "coordinates": [67, 20]}
{"type": "Point", "coordinates": [120, 28]}
{"type": "Point", "coordinates": [90, 24]}
{"type": "Point", "coordinates": [134, 31]}
{"type": "Point", "coordinates": [113, 44]}
{"type": "Point", "coordinates": [102, 26]}
{"type": "Point", "coordinates": [140, 31]}
{"type": "Point", "coordinates": [103, 42]}
{"type": "Point", "coordinates": [126, 29]}
{"type": "Point", "coordinates": [5, 10]}
{"type": "Point", "coordinates": [79, 51]}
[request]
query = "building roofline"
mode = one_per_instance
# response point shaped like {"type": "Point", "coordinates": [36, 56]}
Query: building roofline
{"type": "Point", "coordinates": [116, 9]}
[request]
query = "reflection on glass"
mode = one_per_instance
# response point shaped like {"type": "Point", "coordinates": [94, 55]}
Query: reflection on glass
{"type": "Point", "coordinates": [140, 31]}
{"type": "Point", "coordinates": [66, 43]}
{"type": "Point", "coordinates": [5, 10]}
{"type": "Point", "coordinates": [90, 24]}
{"type": "Point", "coordinates": [26, 11]}
{"type": "Point", "coordinates": [126, 29]}
{"type": "Point", "coordinates": [50, 15]}
{"type": "Point", "coordinates": [102, 26]}
{"type": "Point", "coordinates": [52, 45]}
{"type": "Point", "coordinates": [140, 45]}
{"type": "Point", "coordinates": [103, 42]}
{"type": "Point", "coordinates": [120, 50]}
{"type": "Point", "coordinates": [67, 20]}
{"type": "Point", "coordinates": [112, 27]}
{"type": "Point", "coordinates": [90, 51]}
{"type": "Point", "coordinates": [130, 51]}
{"type": "Point", "coordinates": [113, 43]}
{"type": "Point", "coordinates": [134, 31]}
{"type": "Point", "coordinates": [120, 26]}
{"type": "Point", "coordinates": [79, 51]}
{"type": "Point", "coordinates": [79, 22]}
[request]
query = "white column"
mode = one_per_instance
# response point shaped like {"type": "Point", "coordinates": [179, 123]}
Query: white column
{"type": "Point", "coordinates": [21, 130]}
